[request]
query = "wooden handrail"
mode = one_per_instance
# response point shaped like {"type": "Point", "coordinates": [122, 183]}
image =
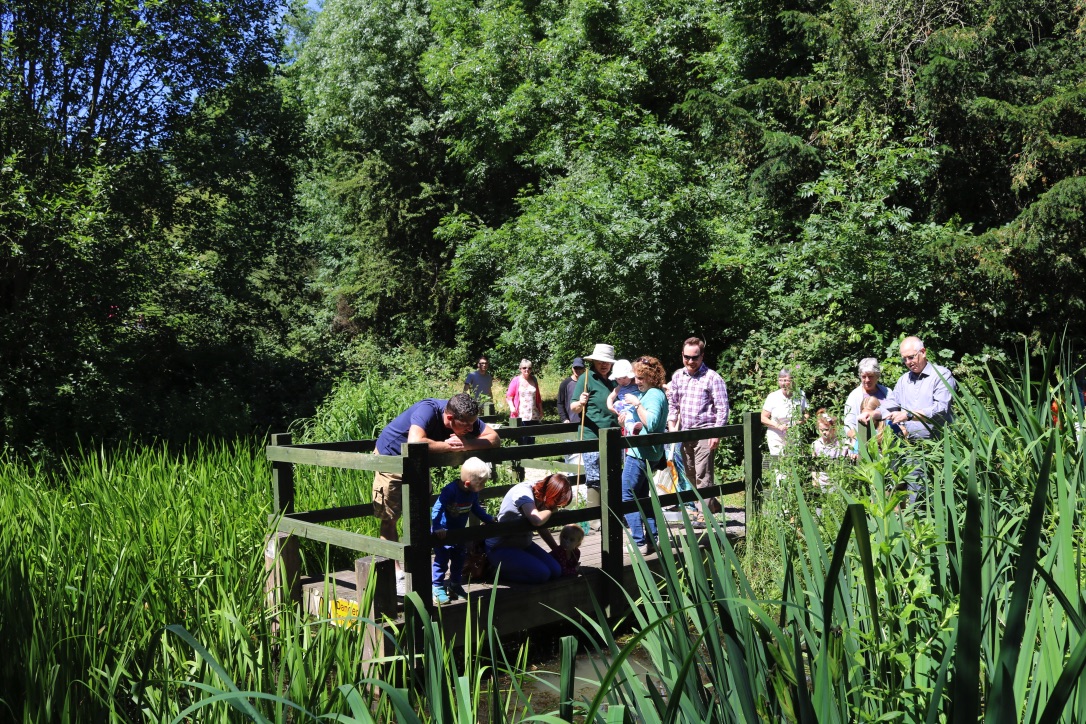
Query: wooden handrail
{"type": "Point", "coordinates": [513, 452]}
{"type": "Point", "coordinates": [354, 446]}
{"type": "Point", "coordinates": [343, 538]}
{"type": "Point", "coordinates": [335, 458]}
{"type": "Point", "coordinates": [415, 466]}
{"type": "Point", "coordinates": [507, 432]}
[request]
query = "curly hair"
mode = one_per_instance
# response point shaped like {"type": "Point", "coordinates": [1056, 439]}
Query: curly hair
{"type": "Point", "coordinates": [463, 407]}
{"type": "Point", "coordinates": [553, 492]}
{"type": "Point", "coordinates": [650, 371]}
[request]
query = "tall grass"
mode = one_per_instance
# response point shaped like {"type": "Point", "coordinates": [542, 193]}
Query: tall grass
{"type": "Point", "coordinates": [102, 555]}
{"type": "Point", "coordinates": [967, 605]}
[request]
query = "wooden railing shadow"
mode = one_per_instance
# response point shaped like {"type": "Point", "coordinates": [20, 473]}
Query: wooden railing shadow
{"type": "Point", "coordinates": [416, 464]}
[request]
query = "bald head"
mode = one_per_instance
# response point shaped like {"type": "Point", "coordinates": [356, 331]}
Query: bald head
{"type": "Point", "coordinates": [913, 354]}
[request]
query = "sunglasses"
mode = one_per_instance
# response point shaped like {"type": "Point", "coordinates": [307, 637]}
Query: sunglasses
{"type": "Point", "coordinates": [691, 357]}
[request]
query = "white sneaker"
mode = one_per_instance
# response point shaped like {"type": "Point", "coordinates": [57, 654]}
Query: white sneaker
{"type": "Point", "coordinates": [401, 583]}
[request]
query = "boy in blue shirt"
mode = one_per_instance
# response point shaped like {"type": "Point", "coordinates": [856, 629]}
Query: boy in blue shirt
{"type": "Point", "coordinates": [451, 510]}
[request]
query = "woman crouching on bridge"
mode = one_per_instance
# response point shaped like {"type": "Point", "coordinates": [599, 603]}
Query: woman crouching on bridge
{"type": "Point", "coordinates": [649, 416]}
{"type": "Point", "coordinates": [521, 560]}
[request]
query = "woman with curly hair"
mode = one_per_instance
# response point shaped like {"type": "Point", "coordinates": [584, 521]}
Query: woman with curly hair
{"type": "Point", "coordinates": [649, 415]}
{"type": "Point", "coordinates": [522, 560]}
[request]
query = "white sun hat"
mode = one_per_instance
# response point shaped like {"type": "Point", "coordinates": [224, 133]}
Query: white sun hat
{"type": "Point", "coordinates": [602, 353]}
{"type": "Point", "coordinates": [622, 368]}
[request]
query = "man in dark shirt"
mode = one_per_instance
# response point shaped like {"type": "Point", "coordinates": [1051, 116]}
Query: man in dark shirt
{"type": "Point", "coordinates": [480, 383]}
{"type": "Point", "coordinates": [565, 391]}
{"type": "Point", "coordinates": [590, 397]}
{"type": "Point", "coordinates": [447, 426]}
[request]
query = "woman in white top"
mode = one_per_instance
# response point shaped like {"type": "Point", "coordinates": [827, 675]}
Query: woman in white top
{"type": "Point", "coordinates": [870, 372]}
{"type": "Point", "coordinates": [780, 411]}
{"type": "Point", "coordinates": [524, 399]}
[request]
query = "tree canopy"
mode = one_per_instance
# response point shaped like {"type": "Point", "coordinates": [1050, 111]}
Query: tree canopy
{"type": "Point", "coordinates": [210, 210]}
{"type": "Point", "coordinates": [791, 180]}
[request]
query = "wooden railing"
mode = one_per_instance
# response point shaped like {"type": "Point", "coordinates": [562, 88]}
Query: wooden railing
{"type": "Point", "coordinates": [415, 548]}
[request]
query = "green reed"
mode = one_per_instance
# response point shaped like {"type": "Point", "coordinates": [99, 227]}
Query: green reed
{"type": "Point", "coordinates": [968, 604]}
{"type": "Point", "coordinates": [132, 589]}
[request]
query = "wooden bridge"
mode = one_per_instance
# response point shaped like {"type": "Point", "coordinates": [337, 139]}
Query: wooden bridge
{"type": "Point", "coordinates": [605, 559]}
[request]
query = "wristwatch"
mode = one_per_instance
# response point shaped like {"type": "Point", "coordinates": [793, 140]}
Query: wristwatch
{"type": "Point", "coordinates": [909, 415]}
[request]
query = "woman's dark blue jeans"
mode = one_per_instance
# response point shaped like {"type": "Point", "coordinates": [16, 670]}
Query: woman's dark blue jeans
{"type": "Point", "coordinates": [635, 484]}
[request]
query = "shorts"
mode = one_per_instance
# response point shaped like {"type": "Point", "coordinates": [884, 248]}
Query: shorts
{"type": "Point", "coordinates": [387, 496]}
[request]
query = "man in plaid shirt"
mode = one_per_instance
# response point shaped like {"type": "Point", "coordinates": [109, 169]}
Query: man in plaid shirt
{"type": "Point", "coordinates": [698, 398]}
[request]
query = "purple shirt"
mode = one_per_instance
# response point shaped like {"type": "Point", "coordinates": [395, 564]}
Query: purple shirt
{"type": "Point", "coordinates": [928, 393]}
{"type": "Point", "coordinates": [699, 400]}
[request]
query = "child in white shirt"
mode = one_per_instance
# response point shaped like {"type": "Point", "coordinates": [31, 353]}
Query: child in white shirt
{"type": "Point", "coordinates": [828, 445]}
{"type": "Point", "coordinates": [623, 374]}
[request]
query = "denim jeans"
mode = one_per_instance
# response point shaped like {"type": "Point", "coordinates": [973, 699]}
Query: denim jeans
{"type": "Point", "coordinates": [528, 440]}
{"type": "Point", "coordinates": [635, 484]}
{"type": "Point", "coordinates": [451, 558]}
{"type": "Point", "coordinates": [524, 565]}
{"type": "Point", "coordinates": [591, 462]}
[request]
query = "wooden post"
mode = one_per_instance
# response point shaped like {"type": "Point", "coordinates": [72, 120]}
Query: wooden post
{"type": "Point", "coordinates": [416, 521]}
{"type": "Point", "coordinates": [282, 558]}
{"type": "Point", "coordinates": [282, 479]}
{"type": "Point", "coordinates": [752, 464]}
{"type": "Point", "coordinates": [282, 568]}
{"type": "Point", "coordinates": [381, 602]}
{"type": "Point", "coordinates": [612, 529]}
{"type": "Point", "coordinates": [518, 469]}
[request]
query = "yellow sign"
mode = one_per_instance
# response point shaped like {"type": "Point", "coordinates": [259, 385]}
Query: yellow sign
{"type": "Point", "coordinates": [343, 612]}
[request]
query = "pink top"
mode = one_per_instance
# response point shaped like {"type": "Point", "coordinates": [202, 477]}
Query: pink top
{"type": "Point", "coordinates": [512, 396]}
{"type": "Point", "coordinates": [568, 560]}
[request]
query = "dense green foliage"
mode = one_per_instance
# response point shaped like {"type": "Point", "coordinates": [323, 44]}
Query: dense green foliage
{"type": "Point", "coordinates": [147, 253]}
{"type": "Point", "coordinates": [805, 181]}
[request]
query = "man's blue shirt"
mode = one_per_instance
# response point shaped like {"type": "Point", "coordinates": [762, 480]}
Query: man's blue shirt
{"type": "Point", "coordinates": [923, 394]}
{"type": "Point", "coordinates": [427, 414]}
